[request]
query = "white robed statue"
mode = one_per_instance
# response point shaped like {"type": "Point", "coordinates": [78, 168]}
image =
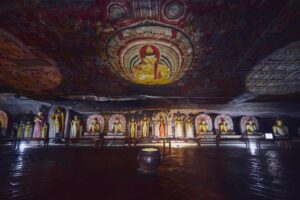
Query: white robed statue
{"type": "Point", "coordinates": [189, 128]}
{"type": "Point", "coordinates": [75, 127]}
{"type": "Point", "coordinates": [178, 128]}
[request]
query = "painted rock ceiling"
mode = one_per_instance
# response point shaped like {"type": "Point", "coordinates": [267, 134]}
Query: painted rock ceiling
{"type": "Point", "coordinates": [200, 51]}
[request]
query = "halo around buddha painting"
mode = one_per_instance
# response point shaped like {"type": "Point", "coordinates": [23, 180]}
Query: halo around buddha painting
{"type": "Point", "coordinates": [150, 53]}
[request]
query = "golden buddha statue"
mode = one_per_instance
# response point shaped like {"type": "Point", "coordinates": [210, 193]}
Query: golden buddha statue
{"type": "Point", "coordinates": [45, 130]}
{"type": "Point", "coordinates": [133, 128]}
{"type": "Point", "coordinates": [223, 126]}
{"type": "Point", "coordinates": [250, 126]}
{"type": "Point", "coordinates": [117, 126]}
{"type": "Point", "coordinates": [59, 122]}
{"type": "Point", "coordinates": [203, 126]}
{"type": "Point", "coordinates": [20, 130]}
{"type": "Point", "coordinates": [150, 71]}
{"type": "Point", "coordinates": [94, 126]}
{"type": "Point", "coordinates": [145, 127]}
{"type": "Point", "coordinates": [28, 129]}
{"type": "Point", "coordinates": [279, 129]}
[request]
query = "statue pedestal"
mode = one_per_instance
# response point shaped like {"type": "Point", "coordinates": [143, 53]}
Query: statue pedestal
{"type": "Point", "coordinates": [115, 139]}
{"type": "Point", "coordinates": [115, 135]}
{"type": "Point", "coordinates": [86, 134]}
{"type": "Point", "coordinates": [205, 133]}
{"type": "Point", "coordinates": [227, 133]}
{"type": "Point", "coordinates": [255, 135]}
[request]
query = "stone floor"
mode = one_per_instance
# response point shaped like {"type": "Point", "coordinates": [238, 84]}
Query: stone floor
{"type": "Point", "coordinates": [186, 173]}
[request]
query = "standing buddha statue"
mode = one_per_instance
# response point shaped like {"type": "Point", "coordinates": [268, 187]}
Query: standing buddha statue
{"type": "Point", "coordinates": [75, 127]}
{"type": "Point", "coordinates": [28, 129]}
{"type": "Point", "coordinates": [133, 128]}
{"type": "Point", "coordinates": [45, 130]}
{"type": "Point", "coordinates": [59, 122]}
{"type": "Point", "coordinates": [189, 128]}
{"type": "Point", "coordinates": [145, 127]}
{"type": "Point", "coordinates": [162, 128]}
{"type": "Point", "coordinates": [38, 123]}
{"type": "Point", "coordinates": [20, 130]}
{"type": "Point", "coordinates": [178, 128]}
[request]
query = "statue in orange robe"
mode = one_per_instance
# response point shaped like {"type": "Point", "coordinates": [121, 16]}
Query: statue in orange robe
{"type": "Point", "coordinates": [162, 128]}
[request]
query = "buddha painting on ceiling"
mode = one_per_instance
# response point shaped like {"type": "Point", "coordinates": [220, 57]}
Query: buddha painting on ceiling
{"type": "Point", "coordinates": [149, 53]}
{"type": "Point", "coordinates": [150, 70]}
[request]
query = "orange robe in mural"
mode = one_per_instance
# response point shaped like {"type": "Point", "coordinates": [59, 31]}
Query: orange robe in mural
{"type": "Point", "coordinates": [162, 129]}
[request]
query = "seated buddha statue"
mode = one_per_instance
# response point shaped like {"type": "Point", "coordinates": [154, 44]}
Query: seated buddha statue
{"type": "Point", "coordinates": [94, 126]}
{"type": "Point", "coordinates": [223, 126]}
{"type": "Point", "coordinates": [203, 126]}
{"type": "Point", "coordinates": [279, 129]}
{"type": "Point", "coordinates": [150, 70]}
{"type": "Point", "coordinates": [117, 126]}
{"type": "Point", "coordinates": [250, 127]}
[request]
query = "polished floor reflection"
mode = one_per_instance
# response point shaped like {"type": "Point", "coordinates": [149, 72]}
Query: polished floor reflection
{"type": "Point", "coordinates": [186, 173]}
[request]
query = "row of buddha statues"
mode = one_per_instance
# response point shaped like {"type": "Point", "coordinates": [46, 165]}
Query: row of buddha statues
{"type": "Point", "coordinates": [157, 127]}
{"type": "Point", "coordinates": [37, 129]}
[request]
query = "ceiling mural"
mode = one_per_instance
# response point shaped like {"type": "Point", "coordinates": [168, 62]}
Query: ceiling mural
{"type": "Point", "coordinates": [151, 52]}
{"type": "Point", "coordinates": [24, 68]}
{"type": "Point", "coordinates": [176, 51]}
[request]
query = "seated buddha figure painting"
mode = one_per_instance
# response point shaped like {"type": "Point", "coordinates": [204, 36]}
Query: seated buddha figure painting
{"type": "Point", "coordinates": [149, 53]}
{"type": "Point", "coordinates": [150, 70]}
